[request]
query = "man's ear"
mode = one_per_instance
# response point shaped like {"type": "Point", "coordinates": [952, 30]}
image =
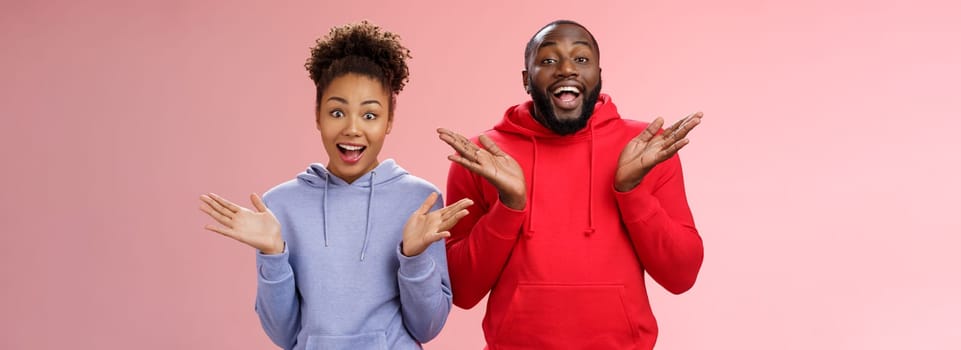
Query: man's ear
{"type": "Point", "coordinates": [390, 124]}
{"type": "Point", "coordinates": [525, 81]}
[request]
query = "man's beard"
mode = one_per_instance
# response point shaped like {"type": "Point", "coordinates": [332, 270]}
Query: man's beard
{"type": "Point", "coordinates": [544, 111]}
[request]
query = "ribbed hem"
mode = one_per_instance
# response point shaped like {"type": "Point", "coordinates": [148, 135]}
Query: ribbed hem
{"type": "Point", "coordinates": [274, 267]}
{"type": "Point", "coordinates": [636, 205]}
{"type": "Point", "coordinates": [505, 222]}
{"type": "Point", "coordinates": [415, 267]}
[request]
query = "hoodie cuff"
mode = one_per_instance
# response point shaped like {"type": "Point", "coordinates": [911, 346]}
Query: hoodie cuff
{"type": "Point", "coordinates": [274, 267]}
{"type": "Point", "coordinates": [415, 267]}
{"type": "Point", "coordinates": [506, 222]}
{"type": "Point", "coordinates": [636, 205]}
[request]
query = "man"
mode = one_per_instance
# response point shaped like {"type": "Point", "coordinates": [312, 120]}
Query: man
{"type": "Point", "coordinates": [573, 205]}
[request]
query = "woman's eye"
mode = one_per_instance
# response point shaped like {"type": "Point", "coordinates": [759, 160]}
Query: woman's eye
{"type": "Point", "coordinates": [370, 116]}
{"type": "Point", "coordinates": [337, 114]}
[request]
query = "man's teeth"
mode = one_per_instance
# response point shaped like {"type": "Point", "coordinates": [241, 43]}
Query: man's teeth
{"type": "Point", "coordinates": [563, 89]}
{"type": "Point", "coordinates": [351, 147]}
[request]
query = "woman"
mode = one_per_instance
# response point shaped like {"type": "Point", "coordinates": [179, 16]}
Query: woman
{"type": "Point", "coordinates": [349, 255]}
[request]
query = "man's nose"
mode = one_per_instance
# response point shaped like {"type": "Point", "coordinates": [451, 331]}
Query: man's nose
{"type": "Point", "coordinates": [566, 69]}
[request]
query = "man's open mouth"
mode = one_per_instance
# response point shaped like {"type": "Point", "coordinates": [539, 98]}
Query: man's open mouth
{"type": "Point", "coordinates": [567, 97]}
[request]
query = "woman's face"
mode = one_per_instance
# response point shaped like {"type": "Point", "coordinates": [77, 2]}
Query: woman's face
{"type": "Point", "coordinates": [353, 118]}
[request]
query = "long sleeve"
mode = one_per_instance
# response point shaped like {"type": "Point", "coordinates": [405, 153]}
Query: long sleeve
{"type": "Point", "coordinates": [425, 292]}
{"type": "Point", "coordinates": [661, 227]}
{"type": "Point", "coordinates": [278, 303]}
{"type": "Point", "coordinates": [481, 242]}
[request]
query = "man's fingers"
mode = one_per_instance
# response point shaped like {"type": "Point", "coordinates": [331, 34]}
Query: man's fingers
{"type": "Point", "coordinates": [671, 150]}
{"type": "Point", "coordinates": [472, 166]}
{"type": "Point", "coordinates": [460, 143]}
{"type": "Point", "coordinates": [650, 130]}
{"type": "Point", "coordinates": [677, 124]}
{"type": "Point", "coordinates": [445, 131]}
{"type": "Point", "coordinates": [450, 140]}
{"type": "Point", "coordinates": [463, 149]}
{"type": "Point", "coordinates": [452, 135]}
{"type": "Point", "coordinates": [491, 146]}
{"type": "Point", "coordinates": [693, 121]}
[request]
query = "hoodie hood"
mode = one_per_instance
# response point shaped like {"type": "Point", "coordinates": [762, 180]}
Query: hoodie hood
{"type": "Point", "coordinates": [520, 121]}
{"type": "Point", "coordinates": [318, 176]}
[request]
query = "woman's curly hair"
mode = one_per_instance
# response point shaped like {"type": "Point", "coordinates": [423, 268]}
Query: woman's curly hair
{"type": "Point", "coordinates": [361, 48]}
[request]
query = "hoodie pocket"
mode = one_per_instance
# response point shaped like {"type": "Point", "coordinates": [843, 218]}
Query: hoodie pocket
{"type": "Point", "coordinates": [555, 316]}
{"type": "Point", "coordinates": [373, 340]}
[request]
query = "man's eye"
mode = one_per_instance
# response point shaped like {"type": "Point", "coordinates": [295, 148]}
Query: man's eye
{"type": "Point", "coordinates": [548, 61]}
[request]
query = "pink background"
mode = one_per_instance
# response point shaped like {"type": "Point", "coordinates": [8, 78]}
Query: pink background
{"type": "Point", "coordinates": [824, 179]}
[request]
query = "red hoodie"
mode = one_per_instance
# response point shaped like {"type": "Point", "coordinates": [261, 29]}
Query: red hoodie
{"type": "Point", "coordinates": [567, 272]}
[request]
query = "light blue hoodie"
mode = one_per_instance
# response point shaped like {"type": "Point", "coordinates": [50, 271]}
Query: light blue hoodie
{"type": "Point", "coordinates": [341, 282]}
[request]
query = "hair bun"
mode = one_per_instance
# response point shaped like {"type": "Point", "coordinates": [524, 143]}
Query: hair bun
{"type": "Point", "coordinates": [366, 42]}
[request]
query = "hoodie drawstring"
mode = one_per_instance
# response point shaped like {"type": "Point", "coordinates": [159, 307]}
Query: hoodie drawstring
{"type": "Point", "coordinates": [370, 204]}
{"type": "Point", "coordinates": [590, 189]}
{"type": "Point", "coordinates": [530, 216]}
{"type": "Point", "coordinates": [326, 181]}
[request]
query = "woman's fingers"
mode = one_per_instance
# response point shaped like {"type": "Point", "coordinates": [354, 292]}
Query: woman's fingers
{"type": "Point", "coordinates": [258, 203]}
{"type": "Point", "coordinates": [216, 206]}
{"type": "Point", "coordinates": [225, 203]}
{"type": "Point", "coordinates": [221, 230]}
{"type": "Point", "coordinates": [428, 203]}
{"type": "Point", "coordinates": [449, 222]}
{"type": "Point", "coordinates": [221, 218]}
{"type": "Point", "coordinates": [449, 210]}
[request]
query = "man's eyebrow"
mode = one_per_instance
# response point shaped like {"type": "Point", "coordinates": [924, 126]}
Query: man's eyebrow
{"type": "Point", "coordinates": [554, 43]}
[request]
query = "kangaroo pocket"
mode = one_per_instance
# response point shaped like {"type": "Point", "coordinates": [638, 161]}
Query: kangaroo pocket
{"type": "Point", "coordinates": [373, 340]}
{"type": "Point", "coordinates": [552, 316]}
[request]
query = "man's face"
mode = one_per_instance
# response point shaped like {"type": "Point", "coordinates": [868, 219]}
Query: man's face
{"type": "Point", "coordinates": [564, 78]}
